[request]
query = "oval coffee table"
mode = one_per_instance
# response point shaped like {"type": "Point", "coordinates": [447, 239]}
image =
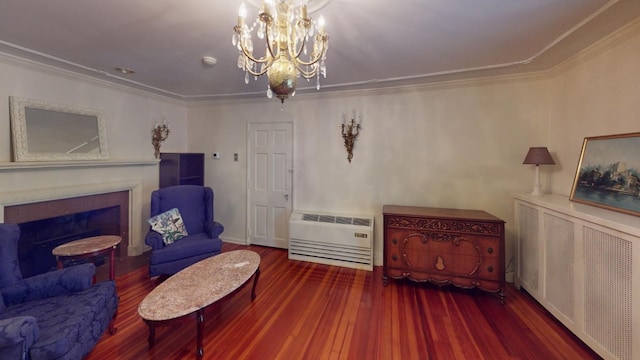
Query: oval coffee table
{"type": "Point", "coordinates": [194, 288]}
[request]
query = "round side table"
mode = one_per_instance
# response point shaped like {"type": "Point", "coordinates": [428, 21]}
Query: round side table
{"type": "Point", "coordinates": [89, 247]}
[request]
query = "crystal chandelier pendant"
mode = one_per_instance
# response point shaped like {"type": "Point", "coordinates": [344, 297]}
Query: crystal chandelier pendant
{"type": "Point", "coordinates": [295, 45]}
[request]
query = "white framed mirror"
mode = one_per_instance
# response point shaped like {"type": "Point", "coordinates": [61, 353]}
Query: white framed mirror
{"type": "Point", "coordinates": [43, 131]}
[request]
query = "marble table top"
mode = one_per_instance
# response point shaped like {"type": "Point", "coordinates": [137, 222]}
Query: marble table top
{"type": "Point", "coordinates": [199, 285]}
{"type": "Point", "coordinates": [87, 245]}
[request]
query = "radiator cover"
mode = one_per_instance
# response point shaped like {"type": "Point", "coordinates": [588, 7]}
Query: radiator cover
{"type": "Point", "coordinates": [332, 239]}
{"type": "Point", "coordinates": [581, 263]}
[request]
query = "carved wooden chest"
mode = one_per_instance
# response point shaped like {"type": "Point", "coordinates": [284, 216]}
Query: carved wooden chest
{"type": "Point", "coordinates": [444, 246]}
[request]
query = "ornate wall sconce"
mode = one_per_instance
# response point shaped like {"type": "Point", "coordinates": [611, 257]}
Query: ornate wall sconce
{"type": "Point", "coordinates": [350, 131]}
{"type": "Point", "coordinates": [159, 133]}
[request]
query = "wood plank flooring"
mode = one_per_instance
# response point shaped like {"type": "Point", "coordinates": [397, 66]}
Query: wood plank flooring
{"type": "Point", "coordinates": [312, 311]}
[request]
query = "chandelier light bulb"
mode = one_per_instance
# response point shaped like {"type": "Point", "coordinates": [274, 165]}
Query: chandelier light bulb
{"type": "Point", "coordinates": [321, 24]}
{"type": "Point", "coordinates": [242, 13]}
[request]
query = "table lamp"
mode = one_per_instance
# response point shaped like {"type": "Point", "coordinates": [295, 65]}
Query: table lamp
{"type": "Point", "coordinates": [538, 156]}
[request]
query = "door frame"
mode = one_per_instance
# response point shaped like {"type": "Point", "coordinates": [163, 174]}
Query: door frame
{"type": "Point", "coordinates": [249, 172]}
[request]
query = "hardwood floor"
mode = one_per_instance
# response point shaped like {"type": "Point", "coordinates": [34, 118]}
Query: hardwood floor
{"type": "Point", "coordinates": [312, 311]}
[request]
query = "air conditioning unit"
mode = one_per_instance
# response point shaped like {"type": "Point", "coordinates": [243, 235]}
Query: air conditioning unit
{"type": "Point", "coordinates": [331, 239]}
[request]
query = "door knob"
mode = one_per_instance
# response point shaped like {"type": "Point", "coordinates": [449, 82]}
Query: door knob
{"type": "Point", "coordinates": [286, 197]}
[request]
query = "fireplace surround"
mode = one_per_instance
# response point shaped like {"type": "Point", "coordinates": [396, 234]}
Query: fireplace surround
{"type": "Point", "coordinates": [47, 224]}
{"type": "Point", "coordinates": [28, 205]}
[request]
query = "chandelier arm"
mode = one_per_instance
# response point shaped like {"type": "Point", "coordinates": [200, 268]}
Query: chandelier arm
{"type": "Point", "coordinates": [311, 61]}
{"type": "Point", "coordinates": [269, 48]}
{"type": "Point", "coordinates": [267, 19]}
{"type": "Point", "coordinates": [264, 60]}
{"type": "Point", "coordinates": [258, 73]}
{"type": "Point", "coordinates": [318, 56]}
{"type": "Point", "coordinates": [307, 74]}
{"type": "Point", "coordinates": [246, 53]}
{"type": "Point", "coordinates": [295, 54]}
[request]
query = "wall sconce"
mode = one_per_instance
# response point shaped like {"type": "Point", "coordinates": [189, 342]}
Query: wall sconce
{"type": "Point", "coordinates": [350, 131]}
{"type": "Point", "coordinates": [159, 133]}
{"type": "Point", "coordinates": [538, 156]}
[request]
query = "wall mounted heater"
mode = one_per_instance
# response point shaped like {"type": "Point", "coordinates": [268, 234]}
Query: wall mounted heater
{"type": "Point", "coordinates": [331, 239]}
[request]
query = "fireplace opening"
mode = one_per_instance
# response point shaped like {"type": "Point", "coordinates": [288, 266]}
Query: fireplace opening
{"type": "Point", "coordinates": [47, 224]}
{"type": "Point", "coordinates": [39, 238]}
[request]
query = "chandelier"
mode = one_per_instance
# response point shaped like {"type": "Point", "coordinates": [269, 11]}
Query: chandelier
{"type": "Point", "coordinates": [287, 31]}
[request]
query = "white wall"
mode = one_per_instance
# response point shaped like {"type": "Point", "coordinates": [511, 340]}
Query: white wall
{"type": "Point", "coordinates": [595, 94]}
{"type": "Point", "coordinates": [451, 145]}
{"type": "Point", "coordinates": [457, 146]}
{"type": "Point", "coordinates": [129, 118]}
{"type": "Point", "coordinates": [129, 114]}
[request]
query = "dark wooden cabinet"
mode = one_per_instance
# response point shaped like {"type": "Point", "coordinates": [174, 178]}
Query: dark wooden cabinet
{"type": "Point", "coordinates": [181, 169]}
{"type": "Point", "coordinates": [444, 246]}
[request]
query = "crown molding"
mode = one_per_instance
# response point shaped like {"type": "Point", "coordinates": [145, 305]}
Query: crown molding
{"type": "Point", "coordinates": [627, 32]}
{"type": "Point", "coordinates": [36, 66]}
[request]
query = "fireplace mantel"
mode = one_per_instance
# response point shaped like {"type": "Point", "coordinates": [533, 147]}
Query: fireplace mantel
{"type": "Point", "coordinates": [134, 187]}
{"type": "Point", "coordinates": [27, 165]}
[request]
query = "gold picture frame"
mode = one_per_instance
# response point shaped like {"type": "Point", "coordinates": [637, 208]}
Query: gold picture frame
{"type": "Point", "coordinates": [608, 173]}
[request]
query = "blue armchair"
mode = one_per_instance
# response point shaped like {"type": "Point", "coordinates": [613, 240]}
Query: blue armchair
{"type": "Point", "coordinates": [55, 315]}
{"type": "Point", "coordinates": [195, 204]}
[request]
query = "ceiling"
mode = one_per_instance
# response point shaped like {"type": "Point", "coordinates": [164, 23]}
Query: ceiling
{"type": "Point", "coordinates": [373, 43]}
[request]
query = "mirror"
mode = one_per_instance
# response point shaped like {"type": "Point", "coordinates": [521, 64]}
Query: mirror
{"type": "Point", "coordinates": [43, 131]}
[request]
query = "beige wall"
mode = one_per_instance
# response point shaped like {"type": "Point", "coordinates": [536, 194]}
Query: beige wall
{"type": "Point", "coordinates": [594, 94]}
{"type": "Point", "coordinates": [129, 116]}
{"type": "Point", "coordinates": [457, 146]}
{"type": "Point", "coordinates": [450, 145]}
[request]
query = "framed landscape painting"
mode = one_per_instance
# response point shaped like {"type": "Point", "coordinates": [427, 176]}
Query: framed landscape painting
{"type": "Point", "coordinates": [608, 173]}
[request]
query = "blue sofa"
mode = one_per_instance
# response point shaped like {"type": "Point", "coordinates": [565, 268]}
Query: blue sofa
{"type": "Point", "coordinates": [55, 315]}
{"type": "Point", "coordinates": [195, 204]}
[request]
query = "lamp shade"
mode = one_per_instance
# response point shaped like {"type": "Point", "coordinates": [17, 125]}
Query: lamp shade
{"type": "Point", "coordinates": [538, 156]}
